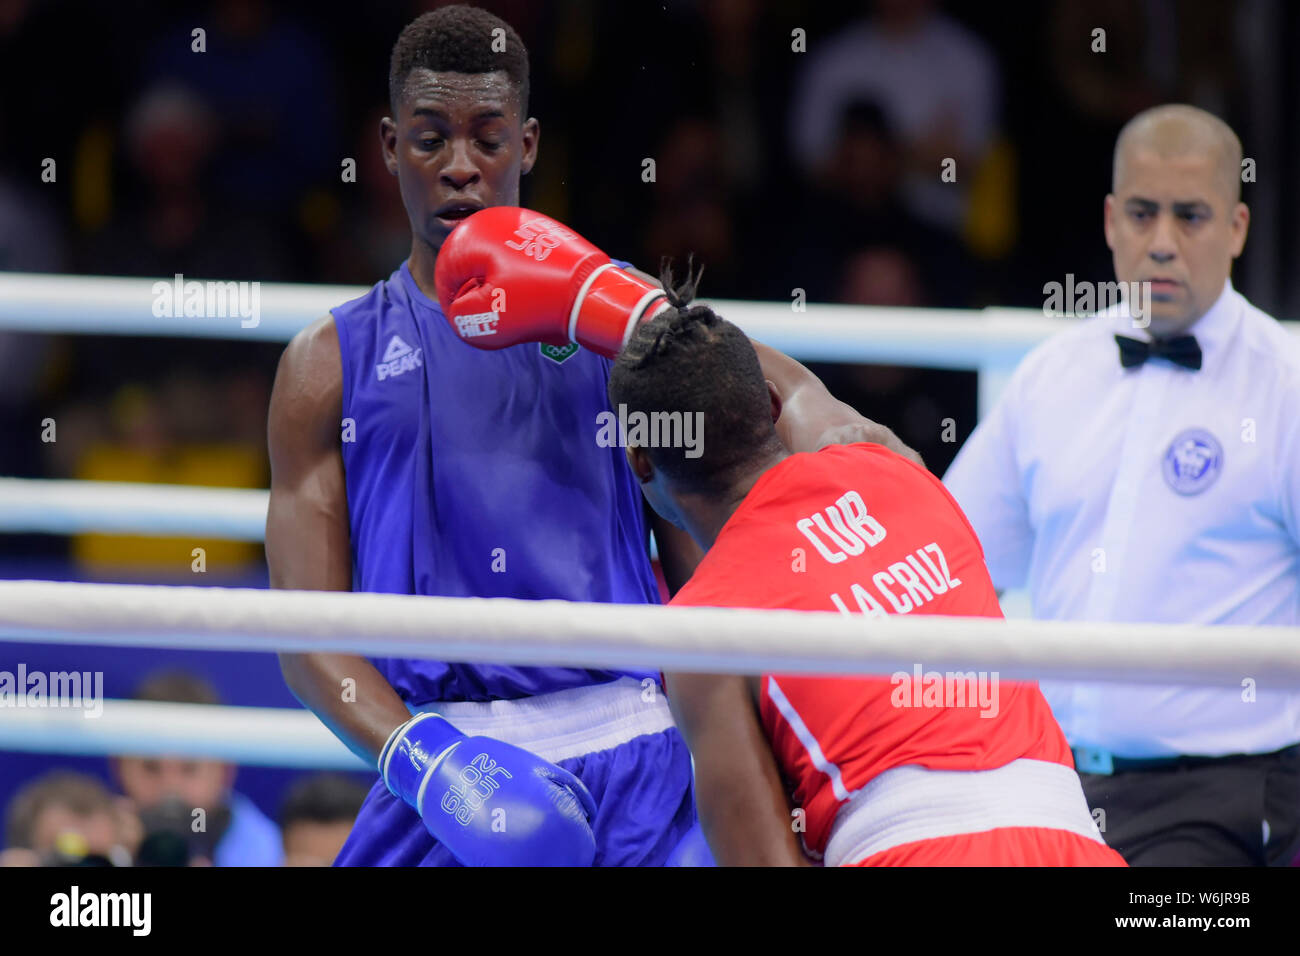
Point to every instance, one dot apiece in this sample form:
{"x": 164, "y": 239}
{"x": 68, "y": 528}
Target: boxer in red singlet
{"x": 915, "y": 768}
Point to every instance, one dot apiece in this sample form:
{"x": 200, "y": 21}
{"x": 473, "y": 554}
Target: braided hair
{"x": 679, "y": 322}
{"x": 690, "y": 360}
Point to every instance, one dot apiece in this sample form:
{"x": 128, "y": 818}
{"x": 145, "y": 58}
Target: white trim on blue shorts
{"x": 566, "y": 723}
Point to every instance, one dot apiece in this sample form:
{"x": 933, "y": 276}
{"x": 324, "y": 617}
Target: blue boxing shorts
{"x": 617, "y": 738}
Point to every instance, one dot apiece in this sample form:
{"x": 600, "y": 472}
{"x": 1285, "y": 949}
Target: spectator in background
{"x": 183, "y": 427}
{"x": 937, "y": 84}
{"x": 871, "y": 250}
{"x": 1152, "y": 52}
{"x": 268, "y": 83}
{"x": 168, "y": 791}
{"x": 697, "y": 206}
{"x": 880, "y": 275}
{"x": 736, "y": 86}
{"x": 317, "y": 817}
{"x": 31, "y": 238}
{"x": 368, "y": 229}
{"x": 911, "y": 398}
{"x": 884, "y": 276}
{"x": 30, "y": 241}
{"x": 68, "y": 819}
{"x": 854, "y": 202}
{"x": 167, "y": 219}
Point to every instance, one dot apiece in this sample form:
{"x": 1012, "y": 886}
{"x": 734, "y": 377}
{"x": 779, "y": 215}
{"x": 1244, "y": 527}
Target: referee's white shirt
{"x": 1155, "y": 493}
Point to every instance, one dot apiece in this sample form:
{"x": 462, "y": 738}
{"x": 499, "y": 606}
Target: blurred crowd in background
{"x": 784, "y": 161}
{"x": 174, "y": 810}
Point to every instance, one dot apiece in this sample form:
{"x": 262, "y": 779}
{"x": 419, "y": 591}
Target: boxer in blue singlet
{"x": 405, "y": 462}
{"x": 476, "y": 474}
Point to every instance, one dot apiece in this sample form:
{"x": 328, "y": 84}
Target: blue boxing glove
{"x": 488, "y": 802}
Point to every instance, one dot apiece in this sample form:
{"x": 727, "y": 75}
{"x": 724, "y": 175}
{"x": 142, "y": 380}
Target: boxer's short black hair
{"x": 458, "y": 39}
{"x": 689, "y": 359}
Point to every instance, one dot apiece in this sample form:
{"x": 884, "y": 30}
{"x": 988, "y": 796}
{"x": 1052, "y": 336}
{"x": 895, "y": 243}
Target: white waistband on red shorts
{"x": 910, "y": 803}
{"x": 564, "y": 723}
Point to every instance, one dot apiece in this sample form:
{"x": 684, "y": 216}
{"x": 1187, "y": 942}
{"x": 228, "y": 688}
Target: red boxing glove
{"x": 507, "y": 275}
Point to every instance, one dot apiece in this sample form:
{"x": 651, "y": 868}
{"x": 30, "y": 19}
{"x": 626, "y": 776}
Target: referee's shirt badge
{"x": 1193, "y": 461}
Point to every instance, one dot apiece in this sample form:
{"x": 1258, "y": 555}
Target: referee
{"x": 1145, "y": 466}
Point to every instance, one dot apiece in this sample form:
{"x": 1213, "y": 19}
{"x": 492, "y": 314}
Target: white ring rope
{"x": 264, "y": 736}
{"x": 935, "y": 338}
{"x": 722, "y": 640}
{"x": 35, "y": 505}
{"x": 46, "y": 506}
{"x": 96, "y": 305}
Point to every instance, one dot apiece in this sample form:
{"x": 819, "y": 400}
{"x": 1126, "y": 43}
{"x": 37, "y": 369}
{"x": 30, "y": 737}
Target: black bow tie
{"x": 1182, "y": 350}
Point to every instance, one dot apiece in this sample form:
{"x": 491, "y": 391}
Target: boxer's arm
{"x": 738, "y": 790}
{"x": 811, "y": 417}
{"x": 307, "y": 535}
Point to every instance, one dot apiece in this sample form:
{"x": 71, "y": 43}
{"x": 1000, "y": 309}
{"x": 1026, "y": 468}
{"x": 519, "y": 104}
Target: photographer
{"x": 190, "y": 811}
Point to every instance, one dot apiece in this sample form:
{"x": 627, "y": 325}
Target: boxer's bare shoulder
{"x": 309, "y": 379}
{"x": 307, "y": 514}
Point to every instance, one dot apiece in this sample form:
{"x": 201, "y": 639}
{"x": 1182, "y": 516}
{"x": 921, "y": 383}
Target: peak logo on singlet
{"x": 398, "y": 358}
